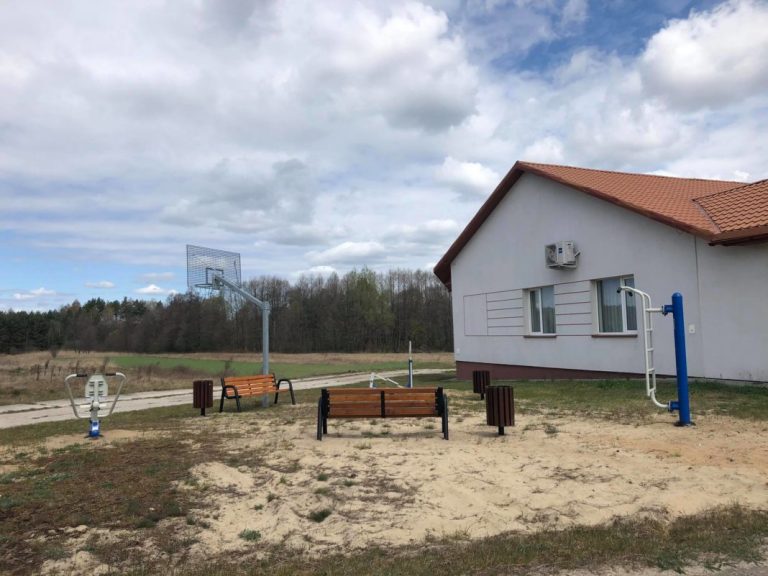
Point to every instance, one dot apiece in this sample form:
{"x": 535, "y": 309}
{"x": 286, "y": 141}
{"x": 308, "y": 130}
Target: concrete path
{"x": 53, "y": 410}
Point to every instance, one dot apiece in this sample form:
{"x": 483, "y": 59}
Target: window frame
{"x": 597, "y": 315}
{"x": 529, "y": 310}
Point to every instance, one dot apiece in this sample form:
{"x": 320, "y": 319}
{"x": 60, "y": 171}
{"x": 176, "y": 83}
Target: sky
{"x": 313, "y": 137}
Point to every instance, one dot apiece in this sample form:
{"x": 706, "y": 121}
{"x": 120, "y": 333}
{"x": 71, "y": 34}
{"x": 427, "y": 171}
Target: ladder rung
{"x": 649, "y": 349}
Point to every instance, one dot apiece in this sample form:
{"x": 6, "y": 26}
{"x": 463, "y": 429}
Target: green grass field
{"x": 281, "y": 369}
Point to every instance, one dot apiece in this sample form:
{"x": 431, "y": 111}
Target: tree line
{"x": 359, "y": 311}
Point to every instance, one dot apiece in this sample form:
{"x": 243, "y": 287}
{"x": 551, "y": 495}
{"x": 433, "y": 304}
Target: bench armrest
{"x": 224, "y": 391}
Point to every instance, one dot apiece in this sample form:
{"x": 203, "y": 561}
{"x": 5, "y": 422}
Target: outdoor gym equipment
{"x": 96, "y": 391}
{"x": 682, "y": 404}
{"x": 374, "y": 376}
{"x": 219, "y": 270}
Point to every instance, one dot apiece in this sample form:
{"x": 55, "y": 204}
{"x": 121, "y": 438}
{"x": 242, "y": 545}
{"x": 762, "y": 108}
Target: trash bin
{"x": 481, "y": 379}
{"x": 202, "y": 395}
{"x": 500, "y": 406}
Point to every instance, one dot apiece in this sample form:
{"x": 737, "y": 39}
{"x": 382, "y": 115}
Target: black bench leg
{"x": 445, "y": 417}
{"x": 237, "y": 399}
{"x": 320, "y": 419}
{"x": 290, "y": 389}
{"x": 221, "y": 405}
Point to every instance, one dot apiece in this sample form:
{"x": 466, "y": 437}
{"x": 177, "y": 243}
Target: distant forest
{"x": 362, "y": 311}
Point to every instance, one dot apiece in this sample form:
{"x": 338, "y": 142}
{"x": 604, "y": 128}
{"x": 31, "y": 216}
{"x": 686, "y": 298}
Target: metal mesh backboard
{"x": 203, "y": 264}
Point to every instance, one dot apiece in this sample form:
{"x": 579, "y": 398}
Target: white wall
{"x": 506, "y": 255}
{"x": 733, "y": 283}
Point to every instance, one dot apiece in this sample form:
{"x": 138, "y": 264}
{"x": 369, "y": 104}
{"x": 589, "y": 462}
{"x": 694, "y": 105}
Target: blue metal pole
{"x": 683, "y": 404}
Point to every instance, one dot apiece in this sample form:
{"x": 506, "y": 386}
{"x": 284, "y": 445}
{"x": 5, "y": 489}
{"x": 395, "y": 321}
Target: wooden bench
{"x": 245, "y": 386}
{"x": 381, "y": 403}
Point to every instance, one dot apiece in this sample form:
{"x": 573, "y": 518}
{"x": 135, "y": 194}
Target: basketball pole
{"x": 265, "y": 310}
{"x": 410, "y": 366}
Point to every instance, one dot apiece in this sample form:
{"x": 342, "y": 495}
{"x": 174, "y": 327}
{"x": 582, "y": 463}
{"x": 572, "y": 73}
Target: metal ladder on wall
{"x": 650, "y": 369}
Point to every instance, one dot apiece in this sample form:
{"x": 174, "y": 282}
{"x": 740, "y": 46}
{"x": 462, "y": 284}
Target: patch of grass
{"x": 623, "y": 400}
{"x": 159, "y": 419}
{"x": 215, "y": 367}
{"x": 54, "y": 553}
{"x": 323, "y": 491}
{"x": 719, "y": 537}
{"x": 322, "y": 477}
{"x": 250, "y": 535}
{"x": 8, "y": 502}
{"x": 271, "y": 497}
{"x": 319, "y": 515}
{"x": 50, "y": 493}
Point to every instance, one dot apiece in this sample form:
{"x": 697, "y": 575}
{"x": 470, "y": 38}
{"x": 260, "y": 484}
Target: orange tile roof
{"x": 660, "y": 197}
{"x": 724, "y": 212}
{"x": 739, "y": 212}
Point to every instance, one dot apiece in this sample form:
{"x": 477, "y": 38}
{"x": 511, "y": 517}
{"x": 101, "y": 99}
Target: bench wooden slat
{"x": 358, "y": 410}
{"x": 410, "y": 410}
{"x": 256, "y": 378}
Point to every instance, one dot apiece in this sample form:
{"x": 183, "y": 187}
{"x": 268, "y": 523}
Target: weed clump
{"x": 319, "y": 515}
{"x": 250, "y": 535}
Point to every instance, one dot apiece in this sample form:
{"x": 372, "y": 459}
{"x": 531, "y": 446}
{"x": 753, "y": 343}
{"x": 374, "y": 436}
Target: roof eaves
{"x": 743, "y": 236}
{"x": 443, "y": 268}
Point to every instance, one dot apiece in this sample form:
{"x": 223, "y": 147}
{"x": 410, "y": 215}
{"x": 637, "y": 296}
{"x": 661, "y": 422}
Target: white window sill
{"x": 539, "y": 335}
{"x": 614, "y": 335}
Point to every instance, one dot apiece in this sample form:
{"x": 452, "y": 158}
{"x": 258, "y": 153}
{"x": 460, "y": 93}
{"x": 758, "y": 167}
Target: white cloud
{"x": 336, "y": 134}
{"x": 547, "y": 150}
{"x": 574, "y": 12}
{"x": 37, "y": 293}
{"x": 711, "y": 58}
{"x": 467, "y": 178}
{"x": 106, "y": 284}
{"x": 430, "y": 232}
{"x": 154, "y": 290}
{"x": 315, "y": 271}
{"x": 351, "y": 253}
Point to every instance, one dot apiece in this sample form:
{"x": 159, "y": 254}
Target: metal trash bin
{"x": 481, "y": 379}
{"x": 202, "y": 395}
{"x": 500, "y": 406}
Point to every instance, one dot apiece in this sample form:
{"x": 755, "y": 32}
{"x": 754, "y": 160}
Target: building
{"x": 520, "y": 315}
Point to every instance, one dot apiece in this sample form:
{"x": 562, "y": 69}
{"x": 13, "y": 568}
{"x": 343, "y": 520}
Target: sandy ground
{"x": 411, "y": 484}
{"x": 397, "y": 481}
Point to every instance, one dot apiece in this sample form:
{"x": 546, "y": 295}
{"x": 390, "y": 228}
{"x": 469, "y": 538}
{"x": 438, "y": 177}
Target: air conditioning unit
{"x": 561, "y": 254}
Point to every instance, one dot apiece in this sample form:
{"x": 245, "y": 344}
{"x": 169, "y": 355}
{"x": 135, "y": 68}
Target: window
{"x": 541, "y": 310}
{"x": 616, "y": 311}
